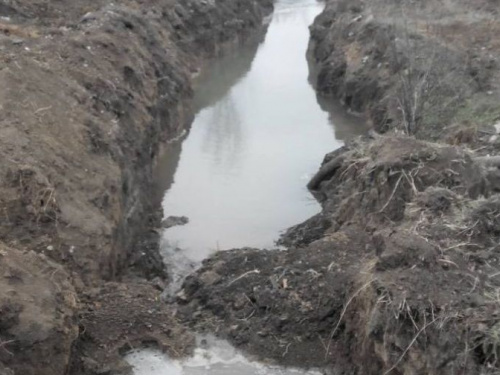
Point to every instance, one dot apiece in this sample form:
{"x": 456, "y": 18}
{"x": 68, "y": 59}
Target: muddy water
{"x": 211, "y": 357}
{"x": 258, "y": 136}
{"x": 240, "y": 173}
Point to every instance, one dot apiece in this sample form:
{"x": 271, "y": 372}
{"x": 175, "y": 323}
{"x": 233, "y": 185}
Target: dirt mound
{"x": 120, "y": 317}
{"x": 402, "y": 281}
{"x": 37, "y": 314}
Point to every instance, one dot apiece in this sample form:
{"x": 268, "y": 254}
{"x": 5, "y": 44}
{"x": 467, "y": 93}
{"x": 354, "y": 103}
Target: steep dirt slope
{"x": 88, "y": 91}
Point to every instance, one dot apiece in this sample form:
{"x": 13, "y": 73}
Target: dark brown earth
{"x": 88, "y": 92}
{"x": 399, "y": 273}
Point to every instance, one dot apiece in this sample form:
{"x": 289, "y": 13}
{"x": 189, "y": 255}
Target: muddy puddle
{"x": 239, "y": 175}
{"x": 211, "y": 357}
{"x": 259, "y": 134}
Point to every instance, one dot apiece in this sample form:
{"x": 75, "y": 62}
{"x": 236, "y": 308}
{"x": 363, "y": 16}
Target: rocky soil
{"x": 88, "y": 91}
{"x": 399, "y": 273}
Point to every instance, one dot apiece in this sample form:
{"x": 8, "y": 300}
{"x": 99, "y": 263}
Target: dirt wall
{"x": 425, "y": 69}
{"x": 88, "y": 92}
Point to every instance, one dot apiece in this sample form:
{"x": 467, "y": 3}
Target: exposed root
{"x": 410, "y": 345}
{"x": 334, "y": 330}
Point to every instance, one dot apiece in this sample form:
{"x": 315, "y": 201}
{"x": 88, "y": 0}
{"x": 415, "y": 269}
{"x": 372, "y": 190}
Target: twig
{"x": 330, "y": 338}
{"x": 43, "y": 109}
{"x": 3, "y": 345}
{"x": 409, "y": 346}
{"x": 242, "y": 276}
{"x": 392, "y": 195}
{"x": 411, "y": 182}
{"x": 248, "y": 317}
{"x": 286, "y": 350}
{"x": 447, "y": 261}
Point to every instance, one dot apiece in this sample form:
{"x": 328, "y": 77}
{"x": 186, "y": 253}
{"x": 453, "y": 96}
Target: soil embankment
{"x": 428, "y": 68}
{"x": 399, "y": 274}
{"x": 88, "y": 91}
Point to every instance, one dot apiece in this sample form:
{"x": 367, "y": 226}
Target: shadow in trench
{"x": 346, "y": 125}
{"x": 211, "y": 86}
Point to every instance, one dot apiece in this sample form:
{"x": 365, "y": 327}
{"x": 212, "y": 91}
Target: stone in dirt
{"x": 173, "y": 221}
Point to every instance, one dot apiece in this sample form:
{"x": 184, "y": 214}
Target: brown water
{"x": 257, "y": 138}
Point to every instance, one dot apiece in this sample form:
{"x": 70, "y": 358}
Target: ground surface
{"x": 88, "y": 91}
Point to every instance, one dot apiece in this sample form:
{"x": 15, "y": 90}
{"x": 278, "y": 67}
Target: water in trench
{"x": 213, "y": 357}
{"x": 240, "y": 174}
{"x": 258, "y": 136}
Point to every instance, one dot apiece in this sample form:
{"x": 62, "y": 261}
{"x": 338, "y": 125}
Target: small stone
{"x": 181, "y": 295}
{"x": 173, "y": 221}
{"x": 50, "y": 248}
{"x": 88, "y": 17}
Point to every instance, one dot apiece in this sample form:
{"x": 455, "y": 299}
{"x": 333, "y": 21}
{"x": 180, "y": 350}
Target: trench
{"x": 239, "y": 174}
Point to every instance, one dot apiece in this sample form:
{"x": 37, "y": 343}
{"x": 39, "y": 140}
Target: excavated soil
{"x": 88, "y": 92}
{"x": 433, "y": 63}
{"x": 402, "y": 280}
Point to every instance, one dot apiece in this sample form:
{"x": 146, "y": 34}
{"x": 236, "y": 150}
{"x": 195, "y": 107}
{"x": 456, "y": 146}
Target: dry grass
{"x": 19, "y": 31}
